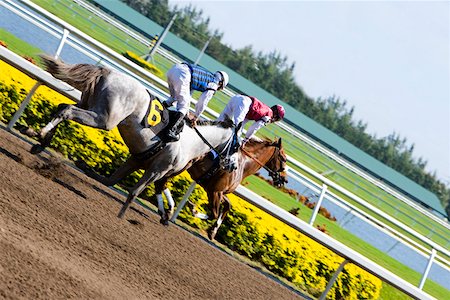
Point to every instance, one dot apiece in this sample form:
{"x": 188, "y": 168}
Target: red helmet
{"x": 279, "y": 110}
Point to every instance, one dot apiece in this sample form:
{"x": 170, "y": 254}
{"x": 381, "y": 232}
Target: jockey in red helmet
{"x": 243, "y": 108}
{"x": 278, "y": 112}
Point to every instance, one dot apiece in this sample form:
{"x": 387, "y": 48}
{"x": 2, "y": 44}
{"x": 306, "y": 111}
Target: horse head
{"x": 277, "y": 164}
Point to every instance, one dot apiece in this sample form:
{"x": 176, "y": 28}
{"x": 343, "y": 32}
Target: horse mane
{"x": 227, "y": 123}
{"x": 256, "y": 140}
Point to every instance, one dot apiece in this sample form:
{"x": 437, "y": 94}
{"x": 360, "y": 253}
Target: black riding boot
{"x": 173, "y": 134}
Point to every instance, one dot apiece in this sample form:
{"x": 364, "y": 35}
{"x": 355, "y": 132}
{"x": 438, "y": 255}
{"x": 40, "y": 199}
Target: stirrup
{"x": 172, "y": 137}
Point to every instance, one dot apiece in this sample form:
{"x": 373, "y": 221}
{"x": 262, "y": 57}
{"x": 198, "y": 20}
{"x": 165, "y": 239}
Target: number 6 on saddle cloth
{"x": 159, "y": 120}
{"x": 157, "y": 116}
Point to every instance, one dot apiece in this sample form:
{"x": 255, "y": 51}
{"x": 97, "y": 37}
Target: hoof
{"x": 212, "y": 233}
{"x": 36, "y": 149}
{"x": 164, "y": 218}
{"x": 29, "y": 132}
{"x": 164, "y": 221}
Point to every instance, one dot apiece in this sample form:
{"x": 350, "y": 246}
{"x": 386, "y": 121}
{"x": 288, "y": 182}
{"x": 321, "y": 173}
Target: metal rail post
{"x": 427, "y": 269}
{"x": 332, "y": 280}
{"x": 318, "y": 204}
{"x": 202, "y": 51}
{"x": 27, "y": 100}
{"x": 183, "y": 201}
{"x": 161, "y": 38}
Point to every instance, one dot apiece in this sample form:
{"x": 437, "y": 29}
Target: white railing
{"x": 283, "y": 125}
{"x": 113, "y": 56}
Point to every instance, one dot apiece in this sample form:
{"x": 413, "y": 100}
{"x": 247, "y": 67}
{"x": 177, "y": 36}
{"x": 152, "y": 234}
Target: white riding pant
{"x": 179, "y": 80}
{"x": 236, "y": 109}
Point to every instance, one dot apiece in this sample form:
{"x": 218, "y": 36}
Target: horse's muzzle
{"x": 279, "y": 180}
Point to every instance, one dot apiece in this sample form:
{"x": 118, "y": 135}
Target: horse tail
{"x": 83, "y": 77}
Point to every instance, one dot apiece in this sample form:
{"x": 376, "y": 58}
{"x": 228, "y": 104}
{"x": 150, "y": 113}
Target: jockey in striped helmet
{"x": 183, "y": 79}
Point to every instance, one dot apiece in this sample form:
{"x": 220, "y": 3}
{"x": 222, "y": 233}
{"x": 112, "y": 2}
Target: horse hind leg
{"x": 224, "y": 209}
{"x": 45, "y": 135}
{"x": 70, "y": 112}
{"x": 124, "y": 170}
{"x": 160, "y": 187}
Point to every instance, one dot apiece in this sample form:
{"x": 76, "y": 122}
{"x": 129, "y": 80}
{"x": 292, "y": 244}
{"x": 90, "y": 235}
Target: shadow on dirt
{"x": 14, "y": 157}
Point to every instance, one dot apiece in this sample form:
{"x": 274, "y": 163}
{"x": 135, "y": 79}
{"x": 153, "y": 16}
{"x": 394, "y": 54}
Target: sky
{"x": 388, "y": 59}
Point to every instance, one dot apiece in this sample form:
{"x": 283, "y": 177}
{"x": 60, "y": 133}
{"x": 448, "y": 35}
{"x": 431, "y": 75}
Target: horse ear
{"x": 279, "y": 143}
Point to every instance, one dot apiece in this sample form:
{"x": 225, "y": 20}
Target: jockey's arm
{"x": 255, "y": 127}
{"x": 203, "y": 101}
{"x": 242, "y": 127}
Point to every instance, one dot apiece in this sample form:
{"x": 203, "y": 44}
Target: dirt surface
{"x": 60, "y": 239}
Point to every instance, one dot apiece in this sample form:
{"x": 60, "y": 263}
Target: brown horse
{"x": 218, "y": 183}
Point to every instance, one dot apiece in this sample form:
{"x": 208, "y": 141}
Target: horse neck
{"x": 216, "y": 136}
{"x": 258, "y": 155}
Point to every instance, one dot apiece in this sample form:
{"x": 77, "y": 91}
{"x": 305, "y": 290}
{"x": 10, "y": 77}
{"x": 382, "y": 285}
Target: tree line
{"x": 274, "y": 73}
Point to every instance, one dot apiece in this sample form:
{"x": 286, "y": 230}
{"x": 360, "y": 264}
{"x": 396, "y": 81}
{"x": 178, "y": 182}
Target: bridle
{"x": 278, "y": 180}
{"x": 220, "y": 153}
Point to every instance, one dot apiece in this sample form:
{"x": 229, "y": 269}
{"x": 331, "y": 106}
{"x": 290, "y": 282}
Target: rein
{"x": 206, "y": 141}
{"x": 260, "y": 163}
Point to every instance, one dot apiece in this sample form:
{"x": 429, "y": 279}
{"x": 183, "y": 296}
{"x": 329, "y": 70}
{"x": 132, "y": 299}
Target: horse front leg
{"x": 222, "y": 206}
{"x": 170, "y": 203}
{"x": 160, "y": 187}
{"x": 146, "y": 179}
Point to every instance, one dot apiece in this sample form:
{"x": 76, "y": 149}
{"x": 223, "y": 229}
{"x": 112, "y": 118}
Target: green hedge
{"x": 143, "y": 63}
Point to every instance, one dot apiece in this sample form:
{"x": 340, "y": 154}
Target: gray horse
{"x": 110, "y": 98}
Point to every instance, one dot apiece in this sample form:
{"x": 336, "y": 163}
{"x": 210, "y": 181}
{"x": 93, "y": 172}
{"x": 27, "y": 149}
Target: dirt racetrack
{"x": 60, "y": 239}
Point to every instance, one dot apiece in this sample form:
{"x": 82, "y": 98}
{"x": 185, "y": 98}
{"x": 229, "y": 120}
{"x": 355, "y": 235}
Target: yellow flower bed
{"x": 285, "y": 250}
{"x": 143, "y": 63}
{"x": 312, "y": 251}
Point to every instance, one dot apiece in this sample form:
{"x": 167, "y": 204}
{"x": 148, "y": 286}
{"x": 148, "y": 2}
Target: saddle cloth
{"x": 157, "y": 117}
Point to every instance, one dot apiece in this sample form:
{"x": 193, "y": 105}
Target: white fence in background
{"x": 283, "y": 125}
{"x": 86, "y": 45}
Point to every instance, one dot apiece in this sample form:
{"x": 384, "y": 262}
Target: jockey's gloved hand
{"x": 243, "y": 142}
{"x": 192, "y": 120}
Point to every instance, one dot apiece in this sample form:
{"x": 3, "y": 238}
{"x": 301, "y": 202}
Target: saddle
{"x": 159, "y": 118}
{"x": 227, "y": 160}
